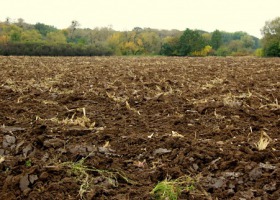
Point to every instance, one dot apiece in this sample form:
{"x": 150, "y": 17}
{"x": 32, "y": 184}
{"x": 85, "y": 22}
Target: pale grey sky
{"x": 208, "y": 15}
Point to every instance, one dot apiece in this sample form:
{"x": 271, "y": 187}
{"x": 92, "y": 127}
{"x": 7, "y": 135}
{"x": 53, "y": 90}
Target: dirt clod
{"x": 8, "y": 141}
{"x": 56, "y": 143}
{"x": 24, "y": 182}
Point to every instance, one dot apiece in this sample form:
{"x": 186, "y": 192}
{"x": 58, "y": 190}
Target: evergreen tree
{"x": 190, "y": 41}
{"x": 216, "y": 39}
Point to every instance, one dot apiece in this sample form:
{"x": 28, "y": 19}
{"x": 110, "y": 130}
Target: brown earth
{"x": 114, "y": 127}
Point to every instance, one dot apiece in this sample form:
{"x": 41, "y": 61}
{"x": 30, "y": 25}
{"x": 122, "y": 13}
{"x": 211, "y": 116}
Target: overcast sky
{"x": 208, "y": 15}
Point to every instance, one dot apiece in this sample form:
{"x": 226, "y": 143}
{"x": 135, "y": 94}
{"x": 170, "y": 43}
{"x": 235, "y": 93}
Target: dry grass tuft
{"x": 236, "y": 100}
{"x": 2, "y": 159}
{"x": 83, "y": 121}
{"x": 176, "y": 134}
{"x": 213, "y": 83}
{"x": 272, "y": 106}
{"x": 115, "y": 98}
{"x": 131, "y": 109}
{"x": 263, "y": 141}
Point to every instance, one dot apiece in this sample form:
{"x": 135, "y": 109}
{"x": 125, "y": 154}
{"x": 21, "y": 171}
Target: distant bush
{"x": 222, "y": 51}
{"x": 259, "y": 52}
{"x": 240, "y": 53}
{"x": 204, "y": 52}
{"x": 272, "y": 49}
{"x": 43, "y": 49}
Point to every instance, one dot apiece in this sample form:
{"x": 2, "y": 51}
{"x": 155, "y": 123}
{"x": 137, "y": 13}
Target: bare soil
{"x": 113, "y": 127}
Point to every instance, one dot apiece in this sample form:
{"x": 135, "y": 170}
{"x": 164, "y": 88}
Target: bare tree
{"x": 74, "y": 25}
{"x": 8, "y": 20}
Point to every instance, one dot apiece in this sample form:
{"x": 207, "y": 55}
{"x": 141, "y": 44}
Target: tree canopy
{"x": 271, "y": 37}
{"x": 21, "y": 38}
{"x": 190, "y": 41}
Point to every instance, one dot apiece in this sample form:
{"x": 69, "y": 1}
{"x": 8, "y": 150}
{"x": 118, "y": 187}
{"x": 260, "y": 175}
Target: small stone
{"x": 232, "y": 175}
{"x": 103, "y": 150}
{"x": 220, "y": 142}
{"x": 45, "y": 157}
{"x": 8, "y": 129}
{"x": 267, "y": 166}
{"x": 219, "y": 183}
{"x": 32, "y": 178}
{"x": 230, "y": 191}
{"x": 8, "y": 141}
{"x": 256, "y": 173}
{"x": 18, "y": 146}
{"x": 44, "y": 176}
{"x": 78, "y": 149}
{"x": 27, "y": 150}
{"x": 54, "y": 143}
{"x": 247, "y": 194}
{"x": 24, "y": 182}
{"x": 161, "y": 151}
{"x": 195, "y": 167}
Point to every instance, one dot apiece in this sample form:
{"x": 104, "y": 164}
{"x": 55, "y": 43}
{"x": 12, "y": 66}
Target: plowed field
{"x": 115, "y": 127}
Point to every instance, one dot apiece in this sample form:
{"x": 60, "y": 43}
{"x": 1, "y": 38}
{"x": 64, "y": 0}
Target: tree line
{"x": 21, "y": 38}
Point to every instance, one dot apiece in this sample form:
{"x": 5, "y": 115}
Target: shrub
{"x": 259, "y": 52}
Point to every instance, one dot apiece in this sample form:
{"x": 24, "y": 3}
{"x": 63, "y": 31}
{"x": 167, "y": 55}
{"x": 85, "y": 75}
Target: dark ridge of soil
{"x": 113, "y": 127}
